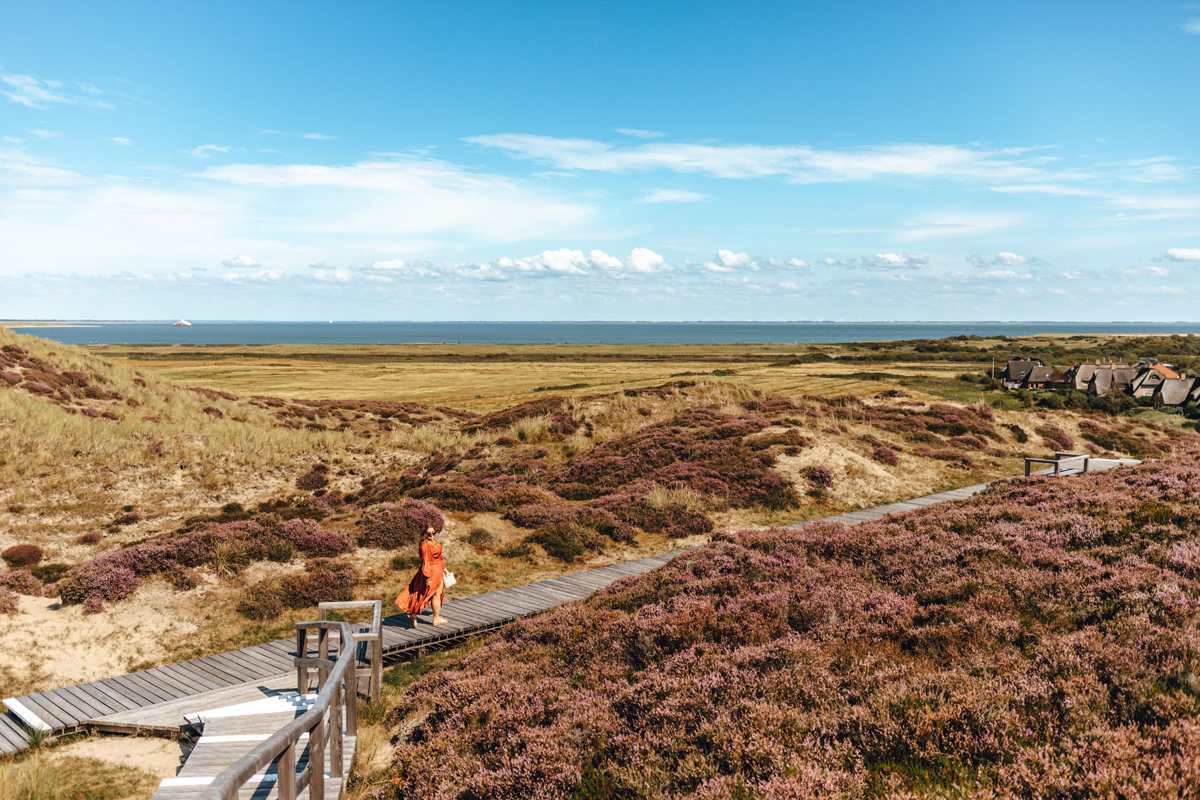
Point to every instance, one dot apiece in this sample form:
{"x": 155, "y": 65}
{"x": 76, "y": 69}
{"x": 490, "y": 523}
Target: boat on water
{"x": 183, "y": 323}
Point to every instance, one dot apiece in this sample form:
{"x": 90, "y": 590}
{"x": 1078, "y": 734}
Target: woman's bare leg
{"x": 412, "y": 620}
{"x": 437, "y": 608}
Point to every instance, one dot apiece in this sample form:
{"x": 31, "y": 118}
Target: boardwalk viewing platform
{"x": 231, "y": 703}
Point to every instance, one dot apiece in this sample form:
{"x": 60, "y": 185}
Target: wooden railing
{"x": 371, "y": 639}
{"x": 1060, "y": 461}
{"x": 337, "y": 692}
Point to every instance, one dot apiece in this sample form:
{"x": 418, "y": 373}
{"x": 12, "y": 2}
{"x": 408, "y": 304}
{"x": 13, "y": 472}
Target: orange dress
{"x": 426, "y": 583}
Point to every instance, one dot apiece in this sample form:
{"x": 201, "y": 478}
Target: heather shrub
{"x": 9, "y": 602}
{"x": 280, "y": 551}
{"x": 519, "y": 550}
{"x": 819, "y": 476}
{"x": 182, "y": 578}
{"x": 1056, "y": 436}
{"x": 22, "y": 555}
{"x": 22, "y": 582}
{"x": 314, "y": 479}
{"x": 395, "y": 525}
{"x": 47, "y": 573}
{"x": 1034, "y": 641}
{"x": 91, "y": 537}
{"x": 322, "y": 581}
{"x": 93, "y": 604}
{"x": 459, "y": 496}
{"x": 1018, "y": 433}
{"x": 564, "y": 540}
{"x": 313, "y": 540}
{"x": 886, "y": 456}
{"x": 480, "y": 538}
{"x": 103, "y": 578}
{"x": 261, "y": 602}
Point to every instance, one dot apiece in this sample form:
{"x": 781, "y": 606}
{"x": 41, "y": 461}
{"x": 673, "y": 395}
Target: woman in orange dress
{"x": 426, "y": 586}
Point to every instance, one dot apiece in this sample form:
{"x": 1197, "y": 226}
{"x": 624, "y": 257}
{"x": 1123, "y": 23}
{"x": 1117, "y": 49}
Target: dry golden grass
{"x": 48, "y": 776}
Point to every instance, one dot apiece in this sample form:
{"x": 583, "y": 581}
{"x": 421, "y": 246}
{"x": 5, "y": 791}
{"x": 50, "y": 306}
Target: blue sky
{"x": 658, "y": 161}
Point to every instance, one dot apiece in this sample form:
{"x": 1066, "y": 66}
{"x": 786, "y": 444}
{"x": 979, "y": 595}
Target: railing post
{"x": 322, "y": 652}
{"x": 316, "y": 760}
{"x": 301, "y": 652}
{"x": 335, "y": 733}
{"x": 286, "y": 780}
{"x": 377, "y": 666}
{"x": 351, "y": 700}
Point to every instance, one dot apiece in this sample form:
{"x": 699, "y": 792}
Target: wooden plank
{"x": 145, "y": 687}
{"x": 178, "y": 681}
{"x": 89, "y": 706}
{"x": 115, "y": 691}
{"x": 238, "y": 665}
{"x": 13, "y": 732}
{"x": 199, "y": 670}
{"x": 217, "y": 669}
{"x": 50, "y": 711}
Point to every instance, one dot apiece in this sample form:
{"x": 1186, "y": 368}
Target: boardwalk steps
{"x": 158, "y": 700}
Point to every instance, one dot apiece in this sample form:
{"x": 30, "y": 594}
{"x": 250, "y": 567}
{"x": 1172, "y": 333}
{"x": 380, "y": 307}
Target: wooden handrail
{"x": 338, "y": 689}
{"x": 372, "y": 638}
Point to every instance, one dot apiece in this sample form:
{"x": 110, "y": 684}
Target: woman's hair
{"x": 427, "y": 534}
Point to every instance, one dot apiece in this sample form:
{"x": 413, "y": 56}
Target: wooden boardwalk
{"x": 231, "y": 732}
{"x": 159, "y": 700}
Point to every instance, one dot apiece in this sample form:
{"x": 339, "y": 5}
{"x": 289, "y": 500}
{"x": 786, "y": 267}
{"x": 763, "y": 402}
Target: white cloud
{"x": 639, "y": 133}
{"x": 837, "y": 262}
{"x": 605, "y": 261}
{"x": 205, "y": 150}
{"x": 798, "y": 163}
{"x": 729, "y": 258}
{"x": 47, "y": 134}
{"x": 883, "y": 261}
{"x": 318, "y": 136}
{"x": 20, "y": 168}
{"x": 1158, "y": 271}
{"x": 240, "y": 261}
{"x": 789, "y": 285}
{"x": 34, "y": 92}
{"x": 121, "y": 140}
{"x": 1005, "y": 275}
{"x": 1011, "y": 259}
{"x": 1005, "y": 259}
{"x": 1192, "y": 26}
{"x": 645, "y": 261}
{"x": 1180, "y": 254}
{"x": 11, "y": 139}
{"x": 261, "y": 276}
{"x": 331, "y": 275}
{"x": 675, "y": 196}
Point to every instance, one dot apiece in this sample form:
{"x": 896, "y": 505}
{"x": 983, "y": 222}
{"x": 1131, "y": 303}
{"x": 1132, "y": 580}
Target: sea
{"x": 502, "y": 333}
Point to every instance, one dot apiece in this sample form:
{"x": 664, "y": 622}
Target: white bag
{"x": 448, "y": 578}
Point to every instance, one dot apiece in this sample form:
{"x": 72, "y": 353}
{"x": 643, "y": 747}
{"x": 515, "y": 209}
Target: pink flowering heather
{"x": 9, "y": 602}
{"x": 1038, "y": 640}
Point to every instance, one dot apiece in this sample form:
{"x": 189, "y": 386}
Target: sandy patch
{"x": 48, "y": 645}
{"x": 162, "y": 758}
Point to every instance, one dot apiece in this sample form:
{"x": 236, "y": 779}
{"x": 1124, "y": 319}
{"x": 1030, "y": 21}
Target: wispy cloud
{"x": 240, "y": 261}
{"x": 121, "y": 140}
{"x": 796, "y": 163}
{"x": 33, "y": 92}
{"x": 1192, "y": 26}
{"x": 675, "y": 196}
{"x": 639, "y": 133}
{"x": 206, "y": 150}
{"x": 1004, "y": 259}
{"x": 318, "y": 136}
